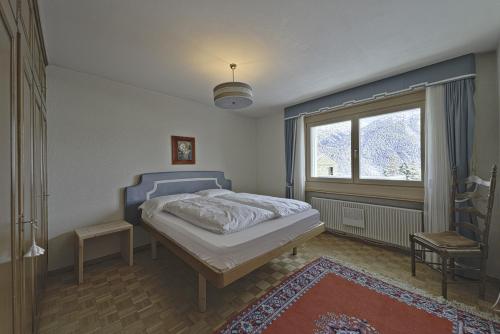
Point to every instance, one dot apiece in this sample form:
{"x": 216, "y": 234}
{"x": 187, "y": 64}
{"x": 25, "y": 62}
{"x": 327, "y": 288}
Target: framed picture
{"x": 183, "y": 150}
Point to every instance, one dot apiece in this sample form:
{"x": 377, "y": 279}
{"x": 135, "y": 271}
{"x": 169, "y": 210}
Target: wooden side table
{"x": 89, "y": 232}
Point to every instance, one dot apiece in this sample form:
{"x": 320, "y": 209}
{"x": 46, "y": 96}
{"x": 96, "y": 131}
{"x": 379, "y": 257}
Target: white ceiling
{"x": 288, "y": 50}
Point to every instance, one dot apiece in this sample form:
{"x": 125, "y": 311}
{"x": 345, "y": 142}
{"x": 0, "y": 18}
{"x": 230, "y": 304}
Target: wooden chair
{"x": 450, "y": 245}
{"x": 496, "y": 303}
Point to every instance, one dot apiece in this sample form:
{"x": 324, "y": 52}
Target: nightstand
{"x": 81, "y": 234}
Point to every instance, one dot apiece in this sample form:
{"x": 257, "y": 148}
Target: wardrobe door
{"x": 26, "y": 185}
{"x": 25, "y": 19}
{"x": 8, "y": 232}
{"x": 38, "y": 198}
{"x": 44, "y": 218}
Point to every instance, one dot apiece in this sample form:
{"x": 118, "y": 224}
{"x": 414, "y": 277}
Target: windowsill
{"x": 367, "y": 182}
{"x": 392, "y": 192}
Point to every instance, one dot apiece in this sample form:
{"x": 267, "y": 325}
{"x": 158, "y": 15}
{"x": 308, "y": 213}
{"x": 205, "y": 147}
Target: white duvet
{"x": 217, "y": 214}
{"x": 281, "y": 207}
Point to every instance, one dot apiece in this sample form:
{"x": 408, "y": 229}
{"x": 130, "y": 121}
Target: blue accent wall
{"x": 452, "y": 68}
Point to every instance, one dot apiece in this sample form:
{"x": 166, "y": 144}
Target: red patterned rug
{"x": 325, "y": 297}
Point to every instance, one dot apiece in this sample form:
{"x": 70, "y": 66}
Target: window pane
{"x": 331, "y": 150}
{"x": 389, "y": 146}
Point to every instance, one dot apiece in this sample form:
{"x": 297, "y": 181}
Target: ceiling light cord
{"x": 232, "y": 67}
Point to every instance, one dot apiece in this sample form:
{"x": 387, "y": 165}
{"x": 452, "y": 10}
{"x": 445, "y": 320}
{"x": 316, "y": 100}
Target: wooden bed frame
{"x": 167, "y": 183}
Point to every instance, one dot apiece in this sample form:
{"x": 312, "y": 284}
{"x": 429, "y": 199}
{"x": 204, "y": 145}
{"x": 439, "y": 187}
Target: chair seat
{"x": 448, "y": 239}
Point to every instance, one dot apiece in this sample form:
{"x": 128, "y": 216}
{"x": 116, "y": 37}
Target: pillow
{"x": 214, "y": 192}
{"x": 152, "y": 205}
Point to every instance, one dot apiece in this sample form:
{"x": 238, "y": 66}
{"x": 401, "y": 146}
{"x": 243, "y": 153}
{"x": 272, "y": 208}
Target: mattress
{"x": 226, "y": 251}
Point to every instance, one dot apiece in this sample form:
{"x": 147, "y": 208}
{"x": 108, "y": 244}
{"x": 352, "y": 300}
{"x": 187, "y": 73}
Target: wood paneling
{"x": 23, "y": 165}
{"x": 24, "y": 19}
{"x": 8, "y": 254}
{"x": 26, "y": 201}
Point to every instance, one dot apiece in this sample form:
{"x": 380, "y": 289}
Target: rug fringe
{"x": 405, "y": 286}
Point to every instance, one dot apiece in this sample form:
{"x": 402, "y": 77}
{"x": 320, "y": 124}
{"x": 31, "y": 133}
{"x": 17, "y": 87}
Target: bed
{"x": 217, "y": 258}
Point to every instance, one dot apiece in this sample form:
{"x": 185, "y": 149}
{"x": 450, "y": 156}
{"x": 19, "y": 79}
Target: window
{"x": 372, "y": 149}
{"x": 331, "y": 147}
{"x": 389, "y": 146}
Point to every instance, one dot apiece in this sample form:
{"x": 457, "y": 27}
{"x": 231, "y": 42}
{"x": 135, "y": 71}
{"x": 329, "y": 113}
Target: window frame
{"x": 354, "y": 113}
{"x": 308, "y": 152}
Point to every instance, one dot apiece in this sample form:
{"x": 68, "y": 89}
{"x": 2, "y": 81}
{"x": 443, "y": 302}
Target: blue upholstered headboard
{"x": 152, "y": 185}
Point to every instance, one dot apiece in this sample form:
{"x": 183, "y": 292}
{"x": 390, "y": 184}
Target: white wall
{"x": 102, "y": 134}
{"x": 487, "y": 139}
{"x": 271, "y": 154}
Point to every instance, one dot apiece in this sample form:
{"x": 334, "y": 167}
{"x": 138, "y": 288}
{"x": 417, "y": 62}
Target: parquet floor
{"x": 159, "y": 296}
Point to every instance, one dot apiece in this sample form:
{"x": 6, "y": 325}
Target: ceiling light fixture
{"x": 233, "y": 95}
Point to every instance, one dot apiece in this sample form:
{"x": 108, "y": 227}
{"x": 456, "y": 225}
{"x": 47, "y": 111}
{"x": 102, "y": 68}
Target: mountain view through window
{"x": 389, "y": 146}
{"x": 331, "y": 145}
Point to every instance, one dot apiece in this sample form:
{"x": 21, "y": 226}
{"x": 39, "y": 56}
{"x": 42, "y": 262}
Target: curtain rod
{"x": 382, "y": 95}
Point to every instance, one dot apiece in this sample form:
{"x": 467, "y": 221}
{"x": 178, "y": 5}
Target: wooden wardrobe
{"x": 23, "y": 165}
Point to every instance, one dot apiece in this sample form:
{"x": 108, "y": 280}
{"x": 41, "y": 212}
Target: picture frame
{"x": 183, "y": 150}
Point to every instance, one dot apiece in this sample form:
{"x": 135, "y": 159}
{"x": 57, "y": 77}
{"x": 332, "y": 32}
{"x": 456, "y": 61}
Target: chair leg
{"x": 496, "y": 302}
{"x": 412, "y": 254}
{"x": 482, "y": 284}
{"x": 452, "y": 268}
{"x": 444, "y": 277}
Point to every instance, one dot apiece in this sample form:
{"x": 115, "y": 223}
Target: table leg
{"x": 127, "y": 246}
{"x": 75, "y": 260}
{"x": 80, "y": 260}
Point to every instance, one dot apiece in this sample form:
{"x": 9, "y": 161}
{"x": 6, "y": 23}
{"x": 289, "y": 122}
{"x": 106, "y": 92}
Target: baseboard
{"x": 368, "y": 241}
{"x": 96, "y": 260}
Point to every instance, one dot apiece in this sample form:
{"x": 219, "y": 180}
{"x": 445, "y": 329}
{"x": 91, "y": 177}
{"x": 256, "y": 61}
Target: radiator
{"x": 389, "y": 225}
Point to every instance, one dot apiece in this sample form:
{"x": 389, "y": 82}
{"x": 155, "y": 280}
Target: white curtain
{"x": 437, "y": 174}
{"x": 299, "y": 169}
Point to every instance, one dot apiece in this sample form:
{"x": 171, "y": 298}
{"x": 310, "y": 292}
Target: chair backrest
{"x": 465, "y": 202}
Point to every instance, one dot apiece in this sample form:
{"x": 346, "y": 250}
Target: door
{"x": 38, "y": 197}
{"x": 25, "y": 187}
{"x": 8, "y": 202}
{"x": 44, "y": 227}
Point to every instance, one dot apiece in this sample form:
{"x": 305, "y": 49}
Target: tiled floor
{"x": 159, "y": 296}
